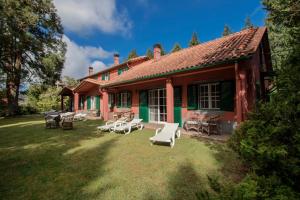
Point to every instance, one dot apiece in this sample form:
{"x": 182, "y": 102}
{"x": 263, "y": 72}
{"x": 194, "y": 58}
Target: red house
{"x": 225, "y": 75}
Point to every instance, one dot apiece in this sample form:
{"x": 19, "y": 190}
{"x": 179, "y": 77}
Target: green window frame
{"x": 122, "y": 70}
{"x": 211, "y": 96}
{"x": 105, "y": 76}
{"x": 124, "y": 100}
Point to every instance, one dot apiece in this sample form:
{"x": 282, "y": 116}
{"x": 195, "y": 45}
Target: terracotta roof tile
{"x": 230, "y": 47}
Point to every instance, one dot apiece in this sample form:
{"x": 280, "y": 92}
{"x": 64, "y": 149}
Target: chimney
{"x": 91, "y": 70}
{"x": 116, "y": 59}
{"x": 156, "y": 51}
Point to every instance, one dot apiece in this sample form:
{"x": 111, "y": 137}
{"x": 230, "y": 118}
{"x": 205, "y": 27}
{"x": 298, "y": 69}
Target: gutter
{"x": 196, "y": 67}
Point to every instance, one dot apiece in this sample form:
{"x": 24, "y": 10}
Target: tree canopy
{"x": 132, "y": 54}
{"x": 194, "y": 40}
{"x": 176, "y": 47}
{"x": 149, "y": 53}
{"x": 226, "y": 30}
{"x": 248, "y": 23}
{"x": 31, "y": 45}
{"x": 269, "y": 141}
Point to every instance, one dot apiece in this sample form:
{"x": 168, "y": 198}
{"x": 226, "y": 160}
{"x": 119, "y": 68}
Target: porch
{"x": 174, "y": 99}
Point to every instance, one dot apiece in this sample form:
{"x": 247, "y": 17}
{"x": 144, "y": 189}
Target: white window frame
{"x": 106, "y": 76}
{"x": 212, "y": 97}
{"x": 110, "y": 99}
{"x": 124, "y": 99}
{"x": 93, "y": 103}
{"x": 156, "y": 101}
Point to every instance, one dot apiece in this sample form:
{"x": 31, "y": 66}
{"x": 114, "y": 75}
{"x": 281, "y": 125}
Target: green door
{"x": 88, "y": 99}
{"x": 177, "y": 105}
{"x": 97, "y": 102}
{"x": 143, "y": 106}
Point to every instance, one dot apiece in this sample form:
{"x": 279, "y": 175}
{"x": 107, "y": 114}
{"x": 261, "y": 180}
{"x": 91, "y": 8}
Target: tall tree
{"x": 31, "y": 45}
{"x": 132, "y": 54}
{"x": 269, "y": 141}
{"x": 176, "y": 47}
{"x": 248, "y": 23}
{"x": 226, "y": 30}
{"x": 149, "y": 53}
{"x": 194, "y": 40}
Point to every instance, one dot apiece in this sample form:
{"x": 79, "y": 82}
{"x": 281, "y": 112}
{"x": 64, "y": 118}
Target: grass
{"x": 39, "y": 163}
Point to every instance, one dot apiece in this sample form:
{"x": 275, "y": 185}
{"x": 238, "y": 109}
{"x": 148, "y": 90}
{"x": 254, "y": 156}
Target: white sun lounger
{"x": 166, "y": 134}
{"x": 109, "y": 125}
{"x": 126, "y": 127}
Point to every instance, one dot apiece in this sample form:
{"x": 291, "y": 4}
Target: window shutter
{"x": 103, "y": 77}
{"x": 97, "y": 102}
{"x": 108, "y": 74}
{"x": 119, "y": 71}
{"x": 118, "y": 96}
{"x": 227, "y": 95}
{"x": 143, "y": 106}
{"x": 129, "y": 99}
{"x": 192, "y": 97}
{"x": 88, "y": 102}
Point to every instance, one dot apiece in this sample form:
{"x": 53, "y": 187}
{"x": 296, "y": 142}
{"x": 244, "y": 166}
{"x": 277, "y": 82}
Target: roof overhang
{"x": 66, "y": 91}
{"x": 86, "y": 85}
{"x": 184, "y": 70}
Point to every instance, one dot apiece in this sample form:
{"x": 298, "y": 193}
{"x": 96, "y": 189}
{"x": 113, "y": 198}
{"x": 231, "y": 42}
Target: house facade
{"x": 226, "y": 75}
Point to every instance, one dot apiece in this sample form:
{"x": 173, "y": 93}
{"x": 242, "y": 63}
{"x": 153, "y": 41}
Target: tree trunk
{"x": 12, "y": 87}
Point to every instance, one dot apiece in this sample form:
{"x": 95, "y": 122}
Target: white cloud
{"x": 78, "y": 58}
{"x": 83, "y": 16}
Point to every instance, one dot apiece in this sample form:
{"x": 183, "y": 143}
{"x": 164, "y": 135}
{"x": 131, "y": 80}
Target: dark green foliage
{"x": 176, "y": 47}
{"x": 31, "y": 45}
{"x": 269, "y": 142}
{"x": 194, "y": 40}
{"x": 226, "y": 30}
{"x": 149, "y": 53}
{"x": 248, "y": 23}
{"x": 132, "y": 54}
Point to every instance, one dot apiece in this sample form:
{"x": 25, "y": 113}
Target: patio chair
{"x": 51, "y": 121}
{"x": 127, "y": 127}
{"x": 80, "y": 116}
{"x": 192, "y": 122}
{"x": 211, "y": 125}
{"x": 111, "y": 124}
{"x": 67, "y": 122}
{"x": 166, "y": 134}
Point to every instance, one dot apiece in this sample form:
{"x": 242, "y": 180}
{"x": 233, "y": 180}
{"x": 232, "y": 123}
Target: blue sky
{"x": 95, "y": 29}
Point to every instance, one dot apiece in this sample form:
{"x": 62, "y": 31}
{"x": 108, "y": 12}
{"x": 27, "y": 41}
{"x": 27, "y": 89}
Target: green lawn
{"x": 39, "y": 163}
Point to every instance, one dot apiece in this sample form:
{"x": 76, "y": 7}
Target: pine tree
{"x": 194, "y": 40}
{"x": 248, "y": 23}
{"x": 149, "y": 53}
{"x": 132, "y": 54}
{"x": 31, "y": 45}
{"x": 226, "y": 30}
{"x": 176, "y": 47}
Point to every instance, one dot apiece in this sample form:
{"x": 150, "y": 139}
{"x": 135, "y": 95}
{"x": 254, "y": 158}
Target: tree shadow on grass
{"x": 185, "y": 183}
{"x": 37, "y": 168}
{"x": 231, "y": 166}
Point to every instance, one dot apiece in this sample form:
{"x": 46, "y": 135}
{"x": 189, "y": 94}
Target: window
{"x": 124, "y": 100}
{"x": 209, "y": 96}
{"x": 111, "y": 101}
{"x": 121, "y": 70}
{"x": 105, "y": 76}
{"x": 93, "y": 103}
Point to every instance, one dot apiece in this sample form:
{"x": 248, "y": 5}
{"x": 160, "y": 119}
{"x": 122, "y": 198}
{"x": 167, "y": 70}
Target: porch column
{"x": 184, "y": 101}
{"x": 76, "y": 101}
{"x": 62, "y": 102}
{"x": 239, "y": 76}
{"x": 170, "y": 101}
{"x": 105, "y": 104}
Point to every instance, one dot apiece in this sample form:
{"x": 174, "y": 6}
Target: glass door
{"x": 157, "y": 105}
